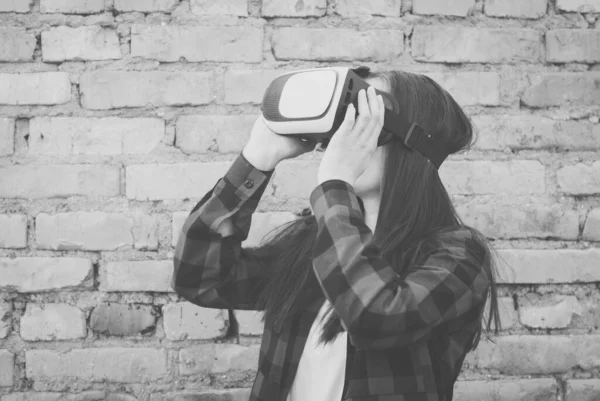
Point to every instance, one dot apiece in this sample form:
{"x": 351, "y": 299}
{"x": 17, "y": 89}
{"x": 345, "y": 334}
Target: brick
{"x": 506, "y": 390}
{"x": 247, "y": 86}
{"x": 104, "y": 90}
{"x": 145, "y": 232}
{"x": 342, "y": 44}
{"x": 525, "y": 219}
{"x": 52, "y": 322}
{"x": 122, "y": 320}
{"x": 48, "y": 181}
{"x": 188, "y": 321}
{"x": 122, "y": 365}
{"x": 14, "y": 231}
{"x": 250, "y": 322}
{"x": 215, "y": 133}
{"x": 512, "y": 177}
{"x": 16, "y": 44}
{"x": 528, "y": 266}
{"x": 16, "y": 6}
{"x": 80, "y": 44}
{"x": 538, "y": 354}
{"x": 573, "y": 45}
{"x": 293, "y": 8}
{"x": 357, "y": 8}
{"x": 534, "y": 132}
{"x": 171, "y": 43}
{"x": 94, "y": 136}
{"x": 145, "y": 5}
{"x": 238, "y": 394}
{"x": 177, "y": 225}
{"x": 92, "y": 231}
{"x": 579, "y": 179}
{"x": 43, "y": 88}
{"x": 209, "y": 7}
{"x": 295, "y": 179}
{"x": 37, "y": 274}
{"x": 173, "y": 181}
{"x": 564, "y": 89}
{"x": 101, "y": 395}
{"x": 509, "y": 317}
{"x": 7, "y": 136}
{"x": 531, "y": 9}
{"x": 472, "y": 45}
{"x": 5, "y": 319}
{"x": 470, "y": 88}
{"x": 580, "y": 6}
{"x": 554, "y": 315}
{"x": 33, "y": 396}
{"x": 217, "y": 358}
{"x": 93, "y": 395}
{"x": 72, "y": 6}
{"x": 583, "y": 390}
{"x": 261, "y": 225}
{"x": 591, "y": 231}
{"x": 7, "y": 364}
{"x": 143, "y": 275}
{"x": 443, "y": 7}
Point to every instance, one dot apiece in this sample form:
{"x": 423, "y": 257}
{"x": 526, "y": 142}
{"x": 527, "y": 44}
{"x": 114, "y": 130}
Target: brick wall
{"x": 116, "y": 116}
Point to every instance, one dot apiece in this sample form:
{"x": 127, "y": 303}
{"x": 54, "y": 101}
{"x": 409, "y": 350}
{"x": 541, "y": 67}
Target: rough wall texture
{"x": 116, "y": 116}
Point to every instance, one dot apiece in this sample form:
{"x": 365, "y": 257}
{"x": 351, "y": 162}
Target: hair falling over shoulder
{"x": 414, "y": 207}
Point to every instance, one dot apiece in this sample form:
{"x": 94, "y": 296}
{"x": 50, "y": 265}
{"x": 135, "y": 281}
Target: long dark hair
{"x": 414, "y": 206}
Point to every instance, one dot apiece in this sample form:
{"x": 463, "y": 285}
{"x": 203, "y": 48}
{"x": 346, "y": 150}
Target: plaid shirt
{"x": 408, "y": 333}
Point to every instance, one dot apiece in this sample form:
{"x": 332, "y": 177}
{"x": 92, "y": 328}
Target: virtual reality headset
{"x": 311, "y": 104}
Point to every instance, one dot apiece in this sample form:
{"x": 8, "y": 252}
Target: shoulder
{"x": 461, "y": 240}
{"x": 465, "y": 251}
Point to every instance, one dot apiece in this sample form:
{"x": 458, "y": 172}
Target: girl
{"x": 377, "y": 293}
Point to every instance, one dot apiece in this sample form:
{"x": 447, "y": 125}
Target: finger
{"x": 377, "y": 123}
{"x": 363, "y": 103}
{"x": 382, "y": 110}
{"x": 372, "y": 98}
{"x": 363, "y": 115}
{"x": 375, "y": 111}
{"x": 381, "y": 119}
{"x": 350, "y": 117}
{"x": 348, "y": 123}
{"x": 374, "y": 118}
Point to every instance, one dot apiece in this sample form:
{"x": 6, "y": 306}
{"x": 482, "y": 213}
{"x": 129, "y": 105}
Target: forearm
{"x": 213, "y": 233}
{"x": 377, "y": 307}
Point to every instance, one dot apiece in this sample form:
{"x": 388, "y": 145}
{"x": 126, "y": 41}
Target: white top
{"x": 321, "y": 369}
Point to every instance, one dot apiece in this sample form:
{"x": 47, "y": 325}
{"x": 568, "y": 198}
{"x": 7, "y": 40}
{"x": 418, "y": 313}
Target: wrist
{"x": 260, "y": 158}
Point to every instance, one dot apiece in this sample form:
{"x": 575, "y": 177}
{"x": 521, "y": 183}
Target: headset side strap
{"x": 413, "y": 137}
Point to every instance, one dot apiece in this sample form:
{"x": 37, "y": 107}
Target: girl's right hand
{"x": 265, "y": 149}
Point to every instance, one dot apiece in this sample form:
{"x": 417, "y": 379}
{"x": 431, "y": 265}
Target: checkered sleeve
{"x": 211, "y": 269}
{"x": 377, "y": 307}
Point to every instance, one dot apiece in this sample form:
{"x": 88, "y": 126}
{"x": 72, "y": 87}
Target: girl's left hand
{"x": 350, "y": 147}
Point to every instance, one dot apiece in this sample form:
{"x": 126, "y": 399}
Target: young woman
{"x": 377, "y": 293}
